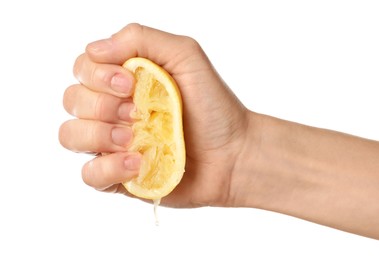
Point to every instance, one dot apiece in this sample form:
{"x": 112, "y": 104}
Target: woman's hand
{"x": 215, "y": 122}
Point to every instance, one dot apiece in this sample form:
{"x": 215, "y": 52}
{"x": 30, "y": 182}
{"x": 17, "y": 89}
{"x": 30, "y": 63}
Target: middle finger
{"x": 81, "y": 135}
{"x": 83, "y": 103}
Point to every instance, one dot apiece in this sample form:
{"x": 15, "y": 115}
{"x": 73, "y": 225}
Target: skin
{"x": 235, "y": 157}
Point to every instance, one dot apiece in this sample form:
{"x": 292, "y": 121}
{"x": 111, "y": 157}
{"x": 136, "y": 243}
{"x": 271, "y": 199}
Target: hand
{"x": 215, "y": 122}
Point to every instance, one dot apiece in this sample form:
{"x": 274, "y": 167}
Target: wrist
{"x": 263, "y": 175}
{"x": 245, "y": 175}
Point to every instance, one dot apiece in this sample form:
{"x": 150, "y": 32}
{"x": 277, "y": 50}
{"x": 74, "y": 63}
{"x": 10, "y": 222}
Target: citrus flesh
{"x": 157, "y": 130}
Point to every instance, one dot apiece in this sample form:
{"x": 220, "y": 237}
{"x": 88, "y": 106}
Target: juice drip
{"x": 156, "y": 204}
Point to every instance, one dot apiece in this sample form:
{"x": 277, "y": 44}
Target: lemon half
{"x": 157, "y": 130}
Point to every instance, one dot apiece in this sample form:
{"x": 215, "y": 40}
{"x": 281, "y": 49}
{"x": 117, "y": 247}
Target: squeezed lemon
{"x": 157, "y": 131}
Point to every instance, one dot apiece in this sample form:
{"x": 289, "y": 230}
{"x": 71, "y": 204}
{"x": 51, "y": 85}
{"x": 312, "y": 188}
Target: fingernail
{"x": 121, "y": 84}
{"x": 99, "y": 46}
{"x": 125, "y": 110}
{"x": 121, "y": 136}
{"x": 133, "y": 162}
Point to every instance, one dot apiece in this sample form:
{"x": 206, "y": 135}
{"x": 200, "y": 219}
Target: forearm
{"x": 315, "y": 174}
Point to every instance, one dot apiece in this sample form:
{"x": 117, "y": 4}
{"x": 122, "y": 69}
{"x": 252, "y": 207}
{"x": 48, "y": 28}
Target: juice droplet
{"x": 156, "y": 204}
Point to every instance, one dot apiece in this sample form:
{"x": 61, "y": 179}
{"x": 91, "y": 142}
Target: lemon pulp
{"x": 157, "y": 131}
{"x": 153, "y": 133}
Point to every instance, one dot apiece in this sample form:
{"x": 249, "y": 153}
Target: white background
{"x": 313, "y": 62}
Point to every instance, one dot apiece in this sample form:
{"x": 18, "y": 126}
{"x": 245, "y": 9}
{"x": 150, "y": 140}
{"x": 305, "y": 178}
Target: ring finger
{"x": 81, "y": 135}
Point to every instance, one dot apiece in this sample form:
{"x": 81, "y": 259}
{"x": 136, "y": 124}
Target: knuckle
{"x": 96, "y": 136}
{"x": 93, "y": 75}
{"x": 87, "y": 170}
{"x": 100, "y": 77}
{"x": 132, "y": 29}
{"x": 94, "y": 173}
{"x": 191, "y": 43}
{"x": 99, "y": 111}
{"x": 69, "y": 99}
{"x": 91, "y": 131}
{"x": 65, "y": 133}
{"x": 78, "y": 65}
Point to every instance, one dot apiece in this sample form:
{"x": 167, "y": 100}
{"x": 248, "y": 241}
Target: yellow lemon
{"x": 157, "y": 130}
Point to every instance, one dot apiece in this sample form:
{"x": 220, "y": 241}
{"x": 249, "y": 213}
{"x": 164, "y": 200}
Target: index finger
{"x": 106, "y": 78}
